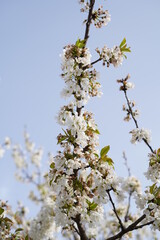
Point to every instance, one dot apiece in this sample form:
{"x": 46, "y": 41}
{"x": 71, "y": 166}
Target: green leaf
{"x": 152, "y": 188}
{"x": 61, "y": 139}
{"x": 125, "y": 56}
{"x": 104, "y": 151}
{"x": 108, "y": 160}
{"x": 19, "y": 230}
{"x": 80, "y": 43}
{"x": 158, "y": 201}
{"x": 91, "y": 205}
{"x": 8, "y": 219}
{"x": 64, "y": 131}
{"x": 158, "y": 151}
{"x": 52, "y": 165}
{"x": 97, "y": 131}
{"x": 69, "y": 156}
{"x": 27, "y": 238}
{"x": 1, "y": 210}
{"x": 78, "y": 184}
{"x": 126, "y": 49}
{"x": 50, "y": 182}
{"x": 123, "y": 42}
{"x": 96, "y": 155}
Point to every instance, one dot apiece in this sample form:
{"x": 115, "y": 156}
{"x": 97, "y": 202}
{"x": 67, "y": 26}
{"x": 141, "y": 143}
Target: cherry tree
{"x": 81, "y": 195}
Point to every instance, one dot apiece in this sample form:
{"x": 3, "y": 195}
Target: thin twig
{"x": 128, "y": 206}
{"x": 130, "y": 193}
{"x": 126, "y": 164}
{"x": 86, "y": 36}
{"x": 143, "y": 225}
{"x": 88, "y": 23}
{"x": 135, "y": 121}
{"x": 130, "y": 228}
{"x": 115, "y": 211}
{"x": 99, "y": 59}
{"x": 130, "y": 109}
{"x": 92, "y": 63}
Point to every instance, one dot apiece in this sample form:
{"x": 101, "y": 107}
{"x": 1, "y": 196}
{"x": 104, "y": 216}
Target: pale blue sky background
{"x": 33, "y": 33}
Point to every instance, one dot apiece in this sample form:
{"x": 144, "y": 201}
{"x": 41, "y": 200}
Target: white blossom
{"x": 139, "y": 134}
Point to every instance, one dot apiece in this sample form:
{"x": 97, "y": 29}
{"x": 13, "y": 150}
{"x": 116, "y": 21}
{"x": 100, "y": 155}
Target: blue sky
{"x": 33, "y": 34}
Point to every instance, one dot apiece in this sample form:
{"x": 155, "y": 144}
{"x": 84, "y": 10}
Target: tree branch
{"x": 99, "y": 59}
{"x": 115, "y": 211}
{"x": 130, "y": 193}
{"x": 86, "y": 36}
{"x": 130, "y": 228}
{"x": 126, "y": 164}
{"x": 143, "y": 225}
{"x": 128, "y": 206}
{"x": 132, "y": 115}
{"x": 88, "y": 23}
{"x": 81, "y": 231}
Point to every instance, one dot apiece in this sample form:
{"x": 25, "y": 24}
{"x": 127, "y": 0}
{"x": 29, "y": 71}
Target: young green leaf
{"x": 18, "y": 230}
{"x": 52, "y": 165}
{"x": 62, "y": 139}
{"x": 91, "y": 205}
{"x": 96, "y": 155}
{"x": 27, "y": 238}
{"x": 126, "y": 49}
{"x": 104, "y": 151}
{"x": 122, "y": 43}
{"x": 97, "y": 131}
{"x": 80, "y": 43}
{"x": 1, "y": 210}
{"x": 152, "y": 188}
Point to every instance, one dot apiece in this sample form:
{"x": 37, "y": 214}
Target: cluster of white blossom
{"x": 131, "y": 184}
{"x": 112, "y": 222}
{"x": 111, "y": 55}
{"x": 81, "y": 126}
{"x": 43, "y": 226}
{"x": 152, "y": 196}
{"x": 139, "y": 134}
{"x": 149, "y": 204}
{"x": 85, "y": 5}
{"x": 129, "y": 85}
{"x": 80, "y": 176}
{"x": 25, "y": 158}
{"x": 12, "y": 222}
{"x": 153, "y": 171}
{"x": 101, "y": 17}
{"x": 80, "y": 82}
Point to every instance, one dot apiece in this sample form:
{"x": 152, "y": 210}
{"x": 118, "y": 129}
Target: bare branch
{"x": 128, "y": 206}
{"x": 99, "y": 59}
{"x": 115, "y": 211}
{"x": 130, "y": 228}
{"x": 126, "y": 163}
{"x": 130, "y": 193}
{"x": 86, "y": 36}
{"x": 132, "y": 115}
{"x": 143, "y": 225}
{"x": 88, "y": 23}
